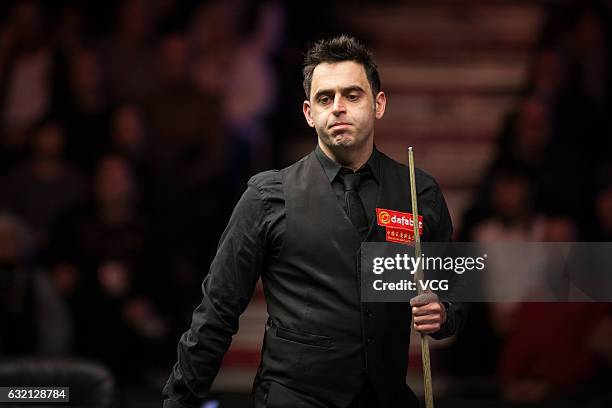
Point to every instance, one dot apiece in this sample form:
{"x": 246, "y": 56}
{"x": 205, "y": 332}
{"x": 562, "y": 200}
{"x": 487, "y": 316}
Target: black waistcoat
{"x": 320, "y": 339}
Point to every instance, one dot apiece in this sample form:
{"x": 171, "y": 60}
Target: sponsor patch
{"x": 397, "y": 219}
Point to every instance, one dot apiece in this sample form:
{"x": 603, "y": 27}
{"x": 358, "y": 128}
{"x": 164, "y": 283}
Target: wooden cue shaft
{"x": 429, "y": 403}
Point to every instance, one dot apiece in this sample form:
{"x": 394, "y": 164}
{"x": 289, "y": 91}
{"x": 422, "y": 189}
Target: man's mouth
{"x": 339, "y": 124}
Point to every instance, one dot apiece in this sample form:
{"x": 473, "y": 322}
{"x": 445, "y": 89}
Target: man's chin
{"x": 342, "y": 140}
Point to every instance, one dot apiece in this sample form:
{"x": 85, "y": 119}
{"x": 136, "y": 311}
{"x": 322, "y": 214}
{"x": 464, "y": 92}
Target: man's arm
{"x": 227, "y": 290}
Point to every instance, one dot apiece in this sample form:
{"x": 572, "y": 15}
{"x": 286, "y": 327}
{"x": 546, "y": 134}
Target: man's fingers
{"x": 423, "y": 299}
{"x": 427, "y": 328}
{"x": 428, "y": 319}
{"x": 427, "y": 312}
{"x": 427, "y": 309}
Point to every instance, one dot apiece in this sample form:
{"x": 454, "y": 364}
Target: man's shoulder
{"x": 266, "y": 179}
{"x": 273, "y": 178}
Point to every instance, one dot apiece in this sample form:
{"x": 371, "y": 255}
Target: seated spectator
{"x": 548, "y": 354}
{"x": 86, "y": 109}
{"x": 100, "y": 253}
{"x": 33, "y": 318}
{"x": 45, "y": 186}
{"x": 28, "y": 64}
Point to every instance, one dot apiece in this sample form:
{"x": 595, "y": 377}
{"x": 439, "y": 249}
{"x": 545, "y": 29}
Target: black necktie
{"x": 354, "y": 205}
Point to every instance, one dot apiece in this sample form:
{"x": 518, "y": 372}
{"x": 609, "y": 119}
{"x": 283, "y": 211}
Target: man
{"x": 300, "y": 229}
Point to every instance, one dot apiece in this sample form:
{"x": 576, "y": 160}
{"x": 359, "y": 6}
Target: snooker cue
{"x": 417, "y": 277}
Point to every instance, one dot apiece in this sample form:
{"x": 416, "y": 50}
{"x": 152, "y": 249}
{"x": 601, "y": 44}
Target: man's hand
{"x": 428, "y": 314}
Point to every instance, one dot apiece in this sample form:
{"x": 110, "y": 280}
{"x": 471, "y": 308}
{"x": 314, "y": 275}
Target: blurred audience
{"x": 129, "y": 136}
{"x": 109, "y": 226}
{"x": 128, "y": 54}
{"x": 85, "y": 108}
{"x": 28, "y": 64}
{"x": 45, "y": 174}
{"x": 551, "y": 352}
{"x": 549, "y": 181}
{"x": 97, "y": 263}
{"x": 547, "y": 353}
{"x": 513, "y": 216}
{"x": 187, "y": 143}
{"x": 251, "y": 93}
{"x": 33, "y": 317}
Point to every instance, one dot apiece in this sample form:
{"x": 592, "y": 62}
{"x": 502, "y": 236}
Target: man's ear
{"x": 380, "y": 103}
{"x": 308, "y": 114}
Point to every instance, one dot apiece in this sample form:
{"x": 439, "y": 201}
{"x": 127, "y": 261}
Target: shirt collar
{"x": 331, "y": 168}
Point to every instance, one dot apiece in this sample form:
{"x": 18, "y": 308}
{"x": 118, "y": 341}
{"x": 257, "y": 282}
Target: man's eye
{"x": 324, "y": 100}
{"x": 352, "y": 97}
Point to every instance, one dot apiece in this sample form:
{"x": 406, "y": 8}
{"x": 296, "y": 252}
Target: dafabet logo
{"x": 384, "y": 217}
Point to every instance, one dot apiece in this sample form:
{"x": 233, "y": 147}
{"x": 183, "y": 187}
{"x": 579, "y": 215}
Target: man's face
{"x": 341, "y": 107}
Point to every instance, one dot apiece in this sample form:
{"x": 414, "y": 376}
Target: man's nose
{"x": 338, "y": 105}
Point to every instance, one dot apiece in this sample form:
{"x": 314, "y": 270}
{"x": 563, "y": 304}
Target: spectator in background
{"x": 235, "y": 65}
{"x": 581, "y": 124}
{"x": 126, "y": 329}
{"x": 577, "y": 118}
{"x": 71, "y": 30}
{"x": 187, "y": 144}
{"x": 529, "y": 144}
{"x": 513, "y": 217}
{"x": 129, "y": 137}
{"x": 548, "y": 355}
{"x": 44, "y": 186}
{"x": 579, "y": 35}
{"x": 581, "y": 31}
{"x": 32, "y": 316}
{"x": 100, "y": 253}
{"x": 213, "y": 39}
{"x": 252, "y": 93}
{"x": 27, "y": 70}
{"x": 549, "y": 75}
{"x": 527, "y": 134}
{"x": 128, "y": 56}
{"x": 110, "y": 226}
{"x": 192, "y": 182}
{"x": 86, "y": 109}
{"x": 588, "y": 42}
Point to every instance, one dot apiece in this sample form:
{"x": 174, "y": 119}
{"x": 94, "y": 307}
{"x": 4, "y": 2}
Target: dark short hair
{"x": 339, "y": 49}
